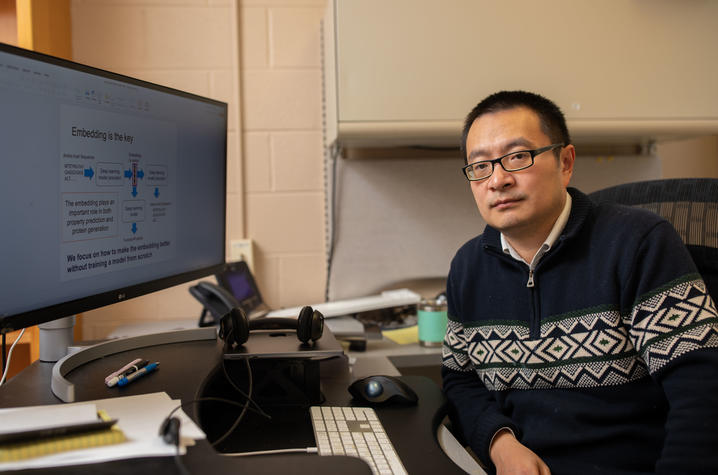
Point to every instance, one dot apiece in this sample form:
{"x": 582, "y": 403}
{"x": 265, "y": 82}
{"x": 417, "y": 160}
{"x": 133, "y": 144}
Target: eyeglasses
{"x": 511, "y": 162}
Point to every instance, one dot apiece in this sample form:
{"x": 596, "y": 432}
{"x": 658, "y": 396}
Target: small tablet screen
{"x": 238, "y": 279}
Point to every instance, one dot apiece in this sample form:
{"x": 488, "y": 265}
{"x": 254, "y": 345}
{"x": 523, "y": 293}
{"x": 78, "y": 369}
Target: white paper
{"x": 22, "y": 419}
{"x": 139, "y": 417}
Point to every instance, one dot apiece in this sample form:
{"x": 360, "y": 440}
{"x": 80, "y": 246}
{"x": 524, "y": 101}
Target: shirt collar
{"x": 551, "y": 239}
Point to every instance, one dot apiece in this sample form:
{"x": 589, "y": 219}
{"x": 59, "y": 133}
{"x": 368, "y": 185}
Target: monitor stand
{"x": 65, "y": 390}
{"x": 55, "y": 338}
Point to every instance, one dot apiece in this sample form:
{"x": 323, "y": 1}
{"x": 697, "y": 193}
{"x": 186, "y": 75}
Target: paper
{"x": 139, "y": 417}
{"x": 45, "y": 417}
{"x": 403, "y": 336}
{"x": 342, "y": 326}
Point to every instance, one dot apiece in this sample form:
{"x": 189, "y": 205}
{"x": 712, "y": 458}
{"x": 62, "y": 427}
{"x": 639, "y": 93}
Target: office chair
{"x": 689, "y": 204}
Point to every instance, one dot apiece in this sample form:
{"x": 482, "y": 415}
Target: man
{"x": 581, "y": 338}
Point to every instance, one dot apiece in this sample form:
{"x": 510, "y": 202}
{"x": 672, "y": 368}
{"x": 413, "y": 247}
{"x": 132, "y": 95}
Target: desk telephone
{"x": 215, "y": 300}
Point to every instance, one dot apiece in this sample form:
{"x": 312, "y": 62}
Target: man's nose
{"x": 500, "y": 178}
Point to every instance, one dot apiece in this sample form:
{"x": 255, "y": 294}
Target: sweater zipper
{"x": 534, "y": 323}
{"x": 535, "y": 320}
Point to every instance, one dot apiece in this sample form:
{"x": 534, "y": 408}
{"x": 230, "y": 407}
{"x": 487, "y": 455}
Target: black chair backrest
{"x": 690, "y": 204}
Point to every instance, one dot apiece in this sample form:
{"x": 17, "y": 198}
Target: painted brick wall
{"x": 282, "y": 147}
{"x": 186, "y": 44}
{"x": 263, "y": 58}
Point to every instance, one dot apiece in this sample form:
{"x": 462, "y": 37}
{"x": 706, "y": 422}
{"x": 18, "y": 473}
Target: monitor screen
{"x": 111, "y": 187}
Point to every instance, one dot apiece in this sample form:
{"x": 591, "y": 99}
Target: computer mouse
{"x": 382, "y": 390}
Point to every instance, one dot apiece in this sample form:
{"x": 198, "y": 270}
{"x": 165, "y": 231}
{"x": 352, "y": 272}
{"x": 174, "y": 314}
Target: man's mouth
{"x": 505, "y": 202}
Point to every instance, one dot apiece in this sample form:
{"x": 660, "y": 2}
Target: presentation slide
{"x": 117, "y": 192}
{"x": 112, "y": 186}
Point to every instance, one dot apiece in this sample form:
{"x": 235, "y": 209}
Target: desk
{"x": 184, "y": 367}
{"x": 383, "y": 356}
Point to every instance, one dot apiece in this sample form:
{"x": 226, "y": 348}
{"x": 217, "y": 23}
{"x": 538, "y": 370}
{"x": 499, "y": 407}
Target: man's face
{"x": 525, "y": 202}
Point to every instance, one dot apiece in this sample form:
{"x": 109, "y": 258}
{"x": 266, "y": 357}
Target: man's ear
{"x": 567, "y": 159}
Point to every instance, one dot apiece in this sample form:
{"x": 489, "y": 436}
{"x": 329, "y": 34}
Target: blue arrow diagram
{"x": 157, "y": 192}
{"x": 134, "y": 228}
{"x": 128, "y": 173}
{"x": 89, "y": 172}
{"x": 134, "y": 191}
{"x": 140, "y": 174}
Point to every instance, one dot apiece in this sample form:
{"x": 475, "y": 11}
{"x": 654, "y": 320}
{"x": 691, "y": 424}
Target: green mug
{"x": 431, "y": 315}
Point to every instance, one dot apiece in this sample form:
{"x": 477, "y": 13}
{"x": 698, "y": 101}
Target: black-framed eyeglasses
{"x": 511, "y": 162}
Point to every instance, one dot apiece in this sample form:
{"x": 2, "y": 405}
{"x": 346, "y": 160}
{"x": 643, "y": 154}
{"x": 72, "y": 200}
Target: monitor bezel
{"x": 45, "y": 314}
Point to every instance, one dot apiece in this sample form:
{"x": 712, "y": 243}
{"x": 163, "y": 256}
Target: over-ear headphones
{"x": 234, "y": 327}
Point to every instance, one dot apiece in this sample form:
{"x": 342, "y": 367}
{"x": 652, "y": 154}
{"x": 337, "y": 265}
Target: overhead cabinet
{"x": 406, "y": 72}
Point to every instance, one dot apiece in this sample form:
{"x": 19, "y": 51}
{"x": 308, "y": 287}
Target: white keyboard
{"x": 355, "y": 431}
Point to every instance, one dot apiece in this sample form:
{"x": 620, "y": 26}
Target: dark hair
{"x": 553, "y": 123}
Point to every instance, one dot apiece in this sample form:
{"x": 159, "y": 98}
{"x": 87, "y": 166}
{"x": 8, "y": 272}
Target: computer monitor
{"x": 111, "y": 187}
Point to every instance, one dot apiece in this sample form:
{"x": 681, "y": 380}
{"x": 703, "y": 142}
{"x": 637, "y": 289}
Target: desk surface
{"x": 186, "y": 365}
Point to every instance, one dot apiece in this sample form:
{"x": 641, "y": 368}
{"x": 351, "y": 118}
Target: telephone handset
{"x": 215, "y": 300}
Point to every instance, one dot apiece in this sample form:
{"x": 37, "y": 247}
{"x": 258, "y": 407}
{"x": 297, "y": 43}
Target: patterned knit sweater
{"x": 608, "y": 364}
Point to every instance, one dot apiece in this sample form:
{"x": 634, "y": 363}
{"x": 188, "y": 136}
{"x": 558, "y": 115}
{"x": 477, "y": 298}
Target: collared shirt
{"x": 548, "y": 243}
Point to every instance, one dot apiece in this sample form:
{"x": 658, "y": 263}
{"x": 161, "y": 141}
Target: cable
{"x": 9, "y": 355}
{"x": 2, "y": 369}
{"x": 178, "y": 461}
{"x": 258, "y": 409}
{"x": 244, "y": 405}
{"x": 334, "y": 151}
{"x": 244, "y": 410}
{"x": 307, "y": 450}
{"x": 205, "y": 399}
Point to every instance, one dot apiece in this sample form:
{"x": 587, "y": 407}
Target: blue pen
{"x": 125, "y": 380}
{"x": 135, "y": 367}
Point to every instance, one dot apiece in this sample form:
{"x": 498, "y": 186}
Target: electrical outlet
{"x": 242, "y": 250}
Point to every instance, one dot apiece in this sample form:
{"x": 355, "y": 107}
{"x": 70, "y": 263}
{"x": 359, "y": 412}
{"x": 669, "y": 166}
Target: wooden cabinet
{"x": 39, "y": 25}
{"x": 43, "y": 26}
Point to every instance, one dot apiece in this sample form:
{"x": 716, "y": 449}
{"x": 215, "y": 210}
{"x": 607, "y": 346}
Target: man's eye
{"x": 520, "y": 156}
{"x": 481, "y": 166}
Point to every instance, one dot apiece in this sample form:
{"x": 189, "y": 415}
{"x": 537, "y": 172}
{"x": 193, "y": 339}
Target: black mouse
{"x": 382, "y": 389}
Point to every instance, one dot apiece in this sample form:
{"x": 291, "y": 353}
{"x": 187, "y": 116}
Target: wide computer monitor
{"x": 110, "y": 188}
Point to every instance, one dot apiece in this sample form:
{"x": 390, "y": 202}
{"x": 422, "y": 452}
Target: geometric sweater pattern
{"x": 590, "y": 348}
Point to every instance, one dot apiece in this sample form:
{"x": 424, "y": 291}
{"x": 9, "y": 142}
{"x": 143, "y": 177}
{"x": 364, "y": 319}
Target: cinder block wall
{"x": 263, "y": 58}
{"x": 190, "y": 45}
{"x": 282, "y": 137}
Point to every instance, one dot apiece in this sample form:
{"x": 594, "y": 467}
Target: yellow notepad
{"x": 403, "y": 336}
{"x": 13, "y": 452}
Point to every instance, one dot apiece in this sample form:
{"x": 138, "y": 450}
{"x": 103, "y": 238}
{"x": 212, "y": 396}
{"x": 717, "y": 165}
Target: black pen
{"x": 135, "y": 367}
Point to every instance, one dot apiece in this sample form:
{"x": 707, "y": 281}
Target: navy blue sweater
{"x": 608, "y": 364}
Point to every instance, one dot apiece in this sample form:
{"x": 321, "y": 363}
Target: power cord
{"x": 331, "y": 176}
{"x": 305, "y": 450}
{"x": 170, "y": 428}
{"x": 248, "y": 397}
{"x": 2, "y": 368}
{"x": 6, "y": 362}
{"x": 256, "y": 408}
